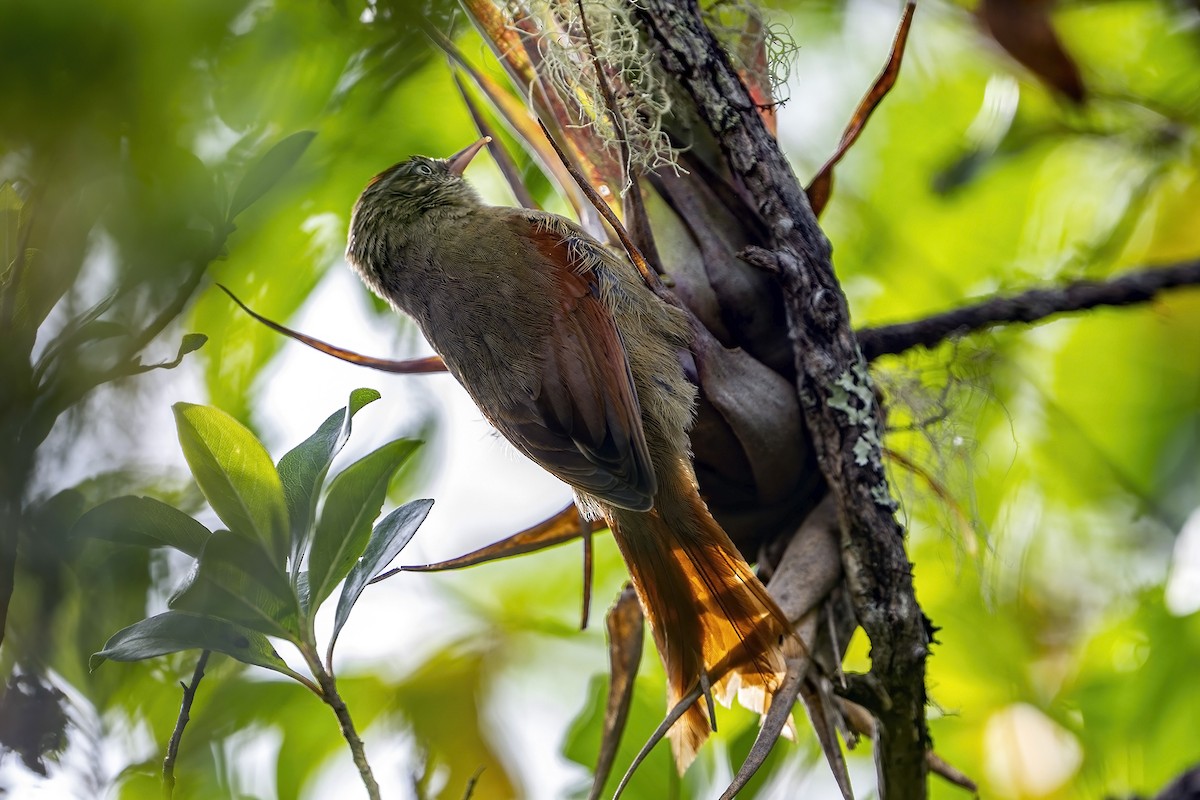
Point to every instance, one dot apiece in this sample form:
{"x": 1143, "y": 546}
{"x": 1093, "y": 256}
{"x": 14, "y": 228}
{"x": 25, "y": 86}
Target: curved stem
{"x": 329, "y": 694}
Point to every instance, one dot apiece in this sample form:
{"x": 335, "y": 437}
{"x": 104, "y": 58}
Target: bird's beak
{"x": 458, "y": 162}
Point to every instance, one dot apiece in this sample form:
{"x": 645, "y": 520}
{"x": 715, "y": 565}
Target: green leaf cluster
{"x": 277, "y": 560}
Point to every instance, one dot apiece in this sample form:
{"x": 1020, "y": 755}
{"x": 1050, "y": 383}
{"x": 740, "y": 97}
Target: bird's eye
{"x": 424, "y": 169}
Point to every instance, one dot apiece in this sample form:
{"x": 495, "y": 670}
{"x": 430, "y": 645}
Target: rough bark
{"x": 832, "y": 382}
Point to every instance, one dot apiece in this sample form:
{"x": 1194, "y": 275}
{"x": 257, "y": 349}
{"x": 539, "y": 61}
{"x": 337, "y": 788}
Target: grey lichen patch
{"x": 852, "y": 395}
{"x": 883, "y": 497}
{"x": 863, "y": 450}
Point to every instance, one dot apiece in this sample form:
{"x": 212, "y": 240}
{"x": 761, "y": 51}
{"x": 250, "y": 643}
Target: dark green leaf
{"x": 79, "y": 334}
{"x": 145, "y": 522}
{"x": 175, "y": 631}
{"x": 47, "y": 550}
{"x": 58, "y": 512}
{"x": 267, "y": 171}
{"x": 235, "y": 474}
{"x": 387, "y": 540}
{"x": 354, "y": 500}
{"x": 303, "y": 468}
{"x": 236, "y": 581}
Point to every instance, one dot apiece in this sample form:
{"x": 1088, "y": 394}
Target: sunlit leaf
{"x": 174, "y": 631}
{"x": 353, "y": 503}
{"x": 235, "y": 474}
{"x": 387, "y": 540}
{"x": 267, "y": 171}
{"x": 145, "y": 522}
{"x": 303, "y": 468}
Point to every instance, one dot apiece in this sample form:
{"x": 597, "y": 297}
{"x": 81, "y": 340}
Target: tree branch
{"x": 1029, "y": 306}
{"x": 185, "y": 715}
{"x": 833, "y": 386}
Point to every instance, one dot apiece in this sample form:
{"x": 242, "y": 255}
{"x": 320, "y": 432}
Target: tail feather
{"x": 707, "y": 610}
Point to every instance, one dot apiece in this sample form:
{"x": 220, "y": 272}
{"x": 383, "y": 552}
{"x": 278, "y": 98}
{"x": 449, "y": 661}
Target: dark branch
{"x": 414, "y": 366}
{"x": 185, "y": 714}
{"x": 1030, "y": 306}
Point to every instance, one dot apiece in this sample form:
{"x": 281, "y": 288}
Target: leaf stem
{"x": 329, "y": 694}
{"x": 185, "y": 708}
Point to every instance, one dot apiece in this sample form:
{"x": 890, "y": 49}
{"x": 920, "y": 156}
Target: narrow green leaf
{"x": 175, "y": 631}
{"x": 235, "y": 474}
{"x": 86, "y": 328}
{"x": 236, "y": 581}
{"x": 145, "y": 522}
{"x": 303, "y": 469}
{"x": 390, "y": 536}
{"x": 267, "y": 171}
{"x": 353, "y": 503}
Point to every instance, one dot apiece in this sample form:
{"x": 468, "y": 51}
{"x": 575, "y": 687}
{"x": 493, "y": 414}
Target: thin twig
{"x": 414, "y": 366}
{"x": 508, "y": 167}
{"x": 383, "y": 576}
{"x": 672, "y": 717}
{"x": 185, "y": 709}
{"x": 635, "y": 255}
{"x": 626, "y": 628}
{"x": 588, "y": 569}
{"x": 635, "y": 210}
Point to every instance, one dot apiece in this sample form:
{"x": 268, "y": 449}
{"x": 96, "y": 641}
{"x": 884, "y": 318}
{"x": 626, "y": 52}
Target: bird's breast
{"x": 484, "y": 307}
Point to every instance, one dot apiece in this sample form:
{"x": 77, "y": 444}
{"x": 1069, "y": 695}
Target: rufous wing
{"x": 584, "y": 424}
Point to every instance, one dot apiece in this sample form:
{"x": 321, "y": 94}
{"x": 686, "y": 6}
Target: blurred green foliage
{"x": 1059, "y": 465}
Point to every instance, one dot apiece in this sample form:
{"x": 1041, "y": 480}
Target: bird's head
{"x": 406, "y": 192}
{"x": 406, "y": 202}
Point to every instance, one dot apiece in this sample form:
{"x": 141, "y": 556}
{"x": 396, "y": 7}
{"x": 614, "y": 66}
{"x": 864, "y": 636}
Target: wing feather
{"x": 584, "y": 424}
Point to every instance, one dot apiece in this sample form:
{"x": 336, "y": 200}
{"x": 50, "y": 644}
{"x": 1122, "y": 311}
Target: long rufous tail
{"x": 706, "y": 608}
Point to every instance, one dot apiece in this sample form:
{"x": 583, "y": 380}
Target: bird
{"x": 579, "y": 365}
